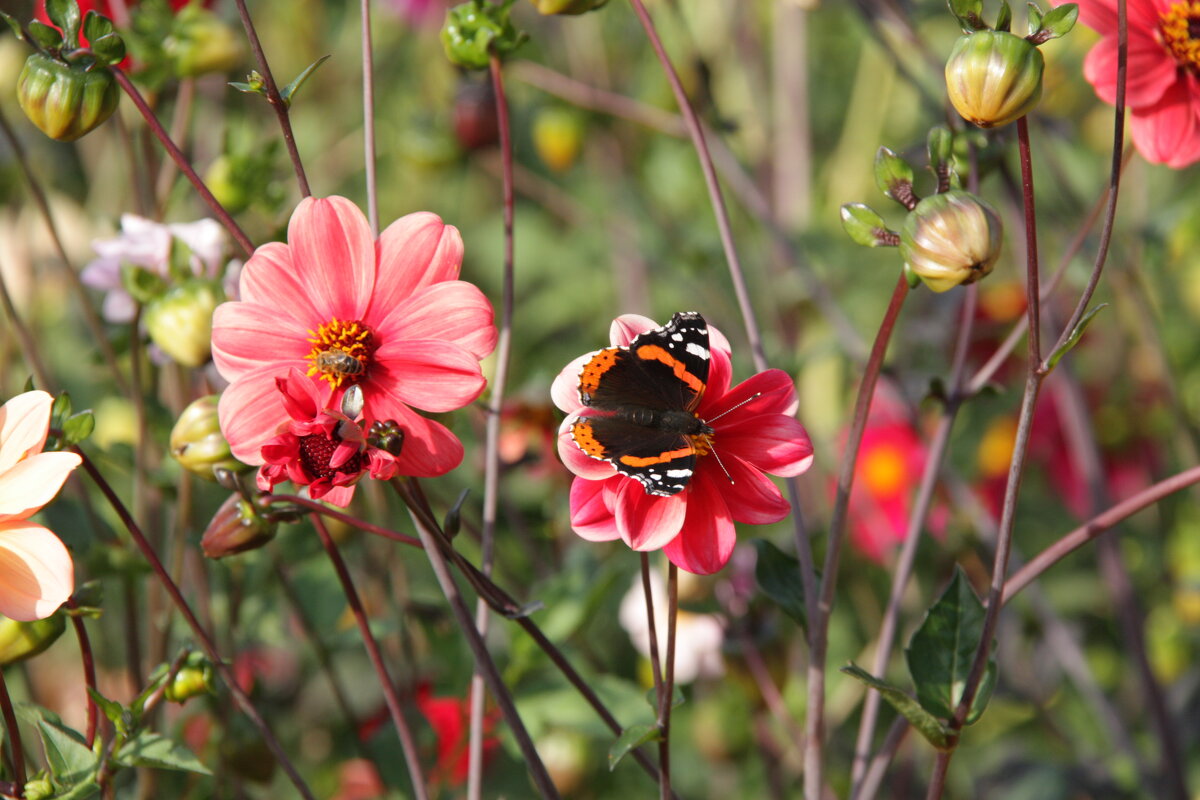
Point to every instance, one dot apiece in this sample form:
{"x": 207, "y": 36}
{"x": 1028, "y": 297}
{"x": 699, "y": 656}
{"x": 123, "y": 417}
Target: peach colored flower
{"x": 36, "y": 573}
{"x": 387, "y": 315}
{"x": 754, "y": 432}
{"x": 1162, "y": 88}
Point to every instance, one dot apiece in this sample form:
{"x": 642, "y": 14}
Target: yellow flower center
{"x": 884, "y": 471}
{"x": 340, "y": 352}
{"x": 1180, "y": 28}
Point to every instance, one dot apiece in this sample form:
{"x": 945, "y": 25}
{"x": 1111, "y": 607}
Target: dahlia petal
{"x": 777, "y": 395}
{"x": 773, "y": 443}
{"x": 720, "y": 375}
{"x": 707, "y": 537}
{"x": 36, "y": 573}
{"x": 579, "y": 462}
{"x": 647, "y": 521}
{"x": 24, "y": 421}
{"x": 244, "y": 333}
{"x": 750, "y": 496}
{"x": 332, "y": 247}
{"x": 252, "y": 414}
{"x": 301, "y": 397}
{"x": 1168, "y": 132}
{"x": 591, "y": 510}
{"x": 415, "y": 251}
{"x": 339, "y": 495}
{"x": 454, "y": 311}
{"x": 1101, "y": 15}
{"x": 625, "y": 328}
{"x": 271, "y": 278}
{"x": 429, "y": 450}
{"x": 1151, "y": 71}
{"x": 429, "y": 374}
{"x": 33, "y": 482}
{"x": 564, "y": 391}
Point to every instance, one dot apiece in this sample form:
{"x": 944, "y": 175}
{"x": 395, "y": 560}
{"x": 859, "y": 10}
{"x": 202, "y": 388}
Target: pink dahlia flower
{"x": 1163, "y": 85}
{"x": 320, "y": 448}
{"x": 387, "y": 315}
{"x": 36, "y": 573}
{"x": 754, "y": 431}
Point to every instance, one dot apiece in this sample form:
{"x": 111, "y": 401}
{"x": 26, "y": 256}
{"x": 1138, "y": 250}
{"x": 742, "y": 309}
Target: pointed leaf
{"x": 631, "y": 738}
{"x": 289, "y": 91}
{"x": 116, "y": 713}
{"x": 926, "y": 724}
{"x": 14, "y": 24}
{"x": 1058, "y": 22}
{"x": 65, "y": 15}
{"x": 80, "y": 791}
{"x": 942, "y": 649}
{"x": 940, "y": 146}
{"x": 778, "y": 576}
{"x": 1075, "y": 336}
{"x": 149, "y": 749}
{"x": 96, "y": 25}
{"x": 68, "y": 757}
{"x": 867, "y": 228}
{"x": 1035, "y": 18}
{"x": 79, "y": 427}
{"x": 894, "y": 177}
{"x": 1004, "y": 18}
{"x": 969, "y": 13}
{"x": 45, "y": 37}
{"x": 109, "y": 48}
{"x": 677, "y": 698}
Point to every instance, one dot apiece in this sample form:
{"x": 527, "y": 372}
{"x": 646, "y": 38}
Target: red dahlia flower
{"x": 1163, "y": 77}
{"x": 388, "y": 316}
{"x": 753, "y": 431}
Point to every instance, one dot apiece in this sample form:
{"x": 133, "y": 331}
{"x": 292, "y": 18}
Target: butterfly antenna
{"x": 749, "y": 399}
{"x": 712, "y": 451}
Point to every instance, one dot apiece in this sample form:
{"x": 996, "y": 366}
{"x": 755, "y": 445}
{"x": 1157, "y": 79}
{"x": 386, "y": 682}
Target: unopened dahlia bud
{"x": 197, "y": 443}
{"x": 200, "y": 42}
{"x": 994, "y": 77}
{"x": 194, "y": 678}
{"x": 180, "y": 321}
{"x": 65, "y": 100}
{"x": 235, "y": 528}
{"x": 22, "y": 640}
{"x": 39, "y": 787}
{"x": 567, "y": 6}
{"x": 387, "y": 435}
{"x": 951, "y": 239}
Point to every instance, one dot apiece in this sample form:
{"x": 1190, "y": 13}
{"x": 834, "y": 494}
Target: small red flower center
{"x": 1180, "y": 29}
{"x": 341, "y": 352}
{"x": 316, "y": 451}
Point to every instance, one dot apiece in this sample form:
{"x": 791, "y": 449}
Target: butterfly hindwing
{"x": 662, "y": 461}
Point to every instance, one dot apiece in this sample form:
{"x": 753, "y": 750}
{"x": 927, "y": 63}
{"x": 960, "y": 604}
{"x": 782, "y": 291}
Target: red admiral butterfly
{"x": 644, "y": 399}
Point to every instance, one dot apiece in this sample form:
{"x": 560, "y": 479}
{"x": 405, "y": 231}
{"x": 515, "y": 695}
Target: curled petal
{"x": 707, "y": 537}
{"x": 36, "y": 573}
{"x": 627, "y": 327}
{"x": 646, "y": 521}
{"x": 578, "y": 461}
{"x": 24, "y": 421}
{"x": 251, "y": 413}
{"x": 565, "y": 389}
{"x": 33, "y": 483}
{"x": 592, "y": 510}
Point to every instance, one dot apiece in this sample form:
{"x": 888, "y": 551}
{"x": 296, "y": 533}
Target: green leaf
{"x": 14, "y": 24}
{"x": 45, "y": 37}
{"x": 149, "y": 749}
{"x": 1004, "y": 18}
{"x": 79, "y": 427}
{"x": 926, "y": 724}
{"x": 1035, "y": 18}
{"x": 969, "y": 13}
{"x": 65, "y": 14}
{"x": 116, "y": 713}
{"x": 677, "y": 698}
{"x": 894, "y": 177}
{"x": 942, "y": 649}
{"x": 865, "y": 227}
{"x": 80, "y": 791}
{"x": 778, "y": 576}
{"x": 1074, "y": 338}
{"x": 68, "y": 757}
{"x": 474, "y": 30}
{"x": 631, "y": 738}
{"x": 96, "y": 26}
{"x": 1058, "y": 22}
{"x": 109, "y": 48}
{"x": 289, "y": 91}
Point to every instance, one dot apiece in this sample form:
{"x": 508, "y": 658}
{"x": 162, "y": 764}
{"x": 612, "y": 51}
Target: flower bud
{"x": 236, "y": 527}
{"x": 39, "y": 787}
{"x": 558, "y": 137}
{"x": 65, "y": 100}
{"x": 994, "y": 77}
{"x": 22, "y": 640}
{"x": 567, "y": 6}
{"x": 194, "y": 678}
{"x": 950, "y": 239}
{"x": 475, "y": 123}
{"x": 387, "y": 435}
{"x": 180, "y": 321}
{"x": 200, "y": 43}
{"x": 197, "y": 443}
{"x": 477, "y": 29}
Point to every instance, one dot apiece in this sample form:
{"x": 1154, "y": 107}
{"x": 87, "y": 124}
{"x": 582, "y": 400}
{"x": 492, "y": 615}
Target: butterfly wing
{"x": 662, "y": 461}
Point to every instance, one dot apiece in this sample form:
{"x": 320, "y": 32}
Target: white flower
{"x": 698, "y": 637}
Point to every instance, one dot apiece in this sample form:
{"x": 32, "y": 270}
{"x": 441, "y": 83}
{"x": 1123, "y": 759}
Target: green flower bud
{"x": 476, "y": 29}
{"x": 194, "y": 678}
{"x": 235, "y": 528}
{"x": 180, "y": 321}
{"x": 994, "y": 77}
{"x": 951, "y": 239}
{"x": 22, "y": 640}
{"x": 65, "y": 100}
{"x": 200, "y": 43}
{"x": 40, "y": 787}
{"x": 197, "y": 443}
{"x": 567, "y": 6}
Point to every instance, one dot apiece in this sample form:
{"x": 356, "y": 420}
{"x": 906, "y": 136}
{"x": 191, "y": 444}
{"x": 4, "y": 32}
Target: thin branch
{"x": 667, "y": 694}
{"x": 368, "y": 72}
{"x": 89, "y": 669}
{"x": 14, "y": 737}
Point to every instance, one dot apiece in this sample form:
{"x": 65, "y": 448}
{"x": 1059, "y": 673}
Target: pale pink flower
{"x": 754, "y": 432}
{"x": 36, "y": 573}
{"x": 387, "y": 315}
{"x": 1162, "y": 88}
{"x": 698, "y": 637}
